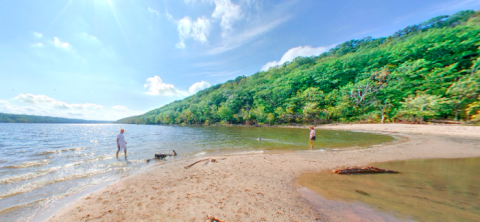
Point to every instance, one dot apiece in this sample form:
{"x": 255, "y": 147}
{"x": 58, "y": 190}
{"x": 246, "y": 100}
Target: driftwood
{"x": 358, "y": 170}
{"x": 209, "y": 160}
{"x": 196, "y": 163}
{"x": 362, "y": 192}
{"x": 214, "y": 219}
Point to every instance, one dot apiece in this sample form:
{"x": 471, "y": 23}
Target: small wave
{"x": 27, "y": 176}
{"x": 29, "y": 164}
{"x": 32, "y": 175}
{"x": 42, "y": 183}
{"x": 199, "y": 154}
{"x": 59, "y": 151}
{"x": 16, "y": 207}
{"x": 249, "y": 152}
{"x": 48, "y": 152}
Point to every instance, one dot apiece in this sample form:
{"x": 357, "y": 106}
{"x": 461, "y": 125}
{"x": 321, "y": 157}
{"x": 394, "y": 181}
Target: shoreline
{"x": 256, "y": 186}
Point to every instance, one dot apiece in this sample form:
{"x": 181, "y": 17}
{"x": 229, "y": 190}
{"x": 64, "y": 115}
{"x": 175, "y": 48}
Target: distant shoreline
{"x": 256, "y": 186}
{"x": 21, "y": 118}
{"x": 63, "y": 123}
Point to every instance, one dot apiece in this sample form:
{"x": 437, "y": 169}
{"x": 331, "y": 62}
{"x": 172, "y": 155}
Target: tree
{"x": 225, "y": 113}
{"x": 422, "y": 105}
{"x": 383, "y": 107}
{"x": 365, "y": 92}
{"x": 310, "y": 110}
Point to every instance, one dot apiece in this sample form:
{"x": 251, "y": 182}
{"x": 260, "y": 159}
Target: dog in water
{"x": 162, "y": 155}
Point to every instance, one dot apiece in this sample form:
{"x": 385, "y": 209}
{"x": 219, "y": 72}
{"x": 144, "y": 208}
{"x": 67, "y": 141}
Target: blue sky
{"x": 109, "y": 59}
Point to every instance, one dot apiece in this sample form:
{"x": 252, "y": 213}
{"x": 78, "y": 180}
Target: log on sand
{"x": 208, "y": 159}
{"x": 362, "y": 170}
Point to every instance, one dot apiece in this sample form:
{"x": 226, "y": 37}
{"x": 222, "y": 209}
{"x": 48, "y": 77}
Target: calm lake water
{"x": 42, "y": 163}
{"x": 425, "y": 190}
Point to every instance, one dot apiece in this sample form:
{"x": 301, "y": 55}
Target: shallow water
{"x": 426, "y": 190}
{"x": 41, "y": 163}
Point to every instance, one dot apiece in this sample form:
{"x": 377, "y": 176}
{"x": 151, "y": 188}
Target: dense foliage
{"x": 14, "y": 118}
{"x": 424, "y": 72}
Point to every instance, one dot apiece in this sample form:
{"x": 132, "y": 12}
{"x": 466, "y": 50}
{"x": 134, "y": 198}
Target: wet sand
{"x": 257, "y": 187}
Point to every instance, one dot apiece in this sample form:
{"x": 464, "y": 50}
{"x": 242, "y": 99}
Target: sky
{"x": 110, "y": 59}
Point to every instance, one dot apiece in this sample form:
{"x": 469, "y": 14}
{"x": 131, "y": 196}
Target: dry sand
{"x": 256, "y": 187}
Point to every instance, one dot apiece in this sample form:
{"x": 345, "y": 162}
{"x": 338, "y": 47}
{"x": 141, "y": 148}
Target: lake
{"x": 425, "y": 190}
{"x": 43, "y": 163}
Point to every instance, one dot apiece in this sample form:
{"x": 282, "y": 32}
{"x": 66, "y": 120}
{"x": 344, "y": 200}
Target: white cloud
{"x": 198, "y": 30}
{"x": 53, "y": 103}
{"x": 63, "y": 45}
{"x": 184, "y": 27}
{"x": 168, "y": 15}
{"x": 89, "y": 38}
{"x": 157, "y": 87}
{"x": 228, "y": 12}
{"x": 198, "y": 86}
{"x": 188, "y": 2}
{"x": 246, "y": 36}
{"x": 180, "y": 45}
{"x": 37, "y": 45}
{"x": 38, "y": 34}
{"x": 294, "y": 53}
{"x": 120, "y": 108}
{"x": 43, "y": 105}
{"x": 154, "y": 12}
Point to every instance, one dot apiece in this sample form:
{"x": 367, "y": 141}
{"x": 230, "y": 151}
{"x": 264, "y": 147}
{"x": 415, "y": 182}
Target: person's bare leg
{"x": 117, "y": 153}
{"x": 125, "y": 154}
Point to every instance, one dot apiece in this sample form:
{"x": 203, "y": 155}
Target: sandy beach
{"x": 258, "y": 186}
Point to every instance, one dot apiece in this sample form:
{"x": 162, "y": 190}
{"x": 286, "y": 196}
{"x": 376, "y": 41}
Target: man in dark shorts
{"x": 312, "y": 137}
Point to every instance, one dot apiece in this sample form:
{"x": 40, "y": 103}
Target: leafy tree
{"x": 422, "y": 105}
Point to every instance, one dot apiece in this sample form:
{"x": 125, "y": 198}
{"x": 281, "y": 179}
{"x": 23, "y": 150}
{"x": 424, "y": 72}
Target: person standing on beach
{"x": 121, "y": 143}
{"x": 312, "y": 137}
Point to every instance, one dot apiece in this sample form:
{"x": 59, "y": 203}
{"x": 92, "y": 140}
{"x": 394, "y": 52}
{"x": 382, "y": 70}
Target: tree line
{"x": 20, "y": 118}
{"x": 425, "y": 72}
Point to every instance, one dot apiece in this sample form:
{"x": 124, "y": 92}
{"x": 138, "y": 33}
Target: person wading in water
{"x": 312, "y": 137}
{"x": 121, "y": 143}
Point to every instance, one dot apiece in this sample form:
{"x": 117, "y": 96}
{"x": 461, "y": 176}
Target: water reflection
{"x": 426, "y": 190}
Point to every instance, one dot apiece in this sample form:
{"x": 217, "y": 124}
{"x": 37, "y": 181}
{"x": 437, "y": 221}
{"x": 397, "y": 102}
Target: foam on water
{"x": 200, "y": 154}
{"x": 60, "y": 151}
{"x": 29, "y": 164}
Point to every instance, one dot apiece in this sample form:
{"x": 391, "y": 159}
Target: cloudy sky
{"x": 108, "y": 59}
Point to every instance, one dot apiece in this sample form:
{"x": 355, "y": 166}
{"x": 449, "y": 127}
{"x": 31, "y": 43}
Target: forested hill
{"x": 424, "y": 72}
{"x": 15, "y": 118}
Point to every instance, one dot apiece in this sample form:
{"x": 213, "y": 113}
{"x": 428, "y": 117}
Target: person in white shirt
{"x": 312, "y": 137}
{"x": 121, "y": 143}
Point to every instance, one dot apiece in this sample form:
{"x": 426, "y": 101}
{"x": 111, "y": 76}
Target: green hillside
{"x": 15, "y": 118}
{"x": 424, "y": 72}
